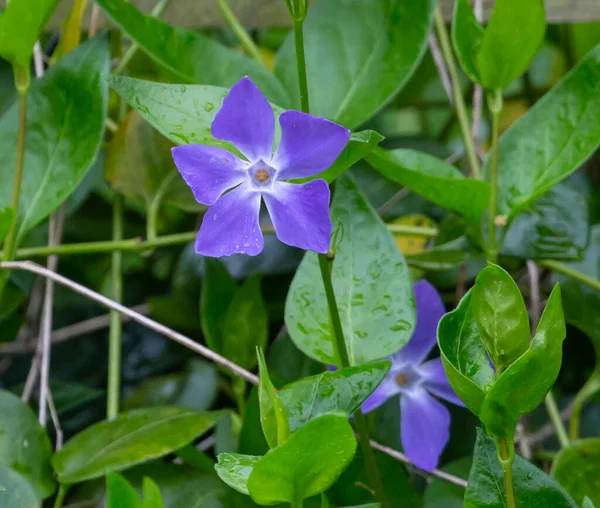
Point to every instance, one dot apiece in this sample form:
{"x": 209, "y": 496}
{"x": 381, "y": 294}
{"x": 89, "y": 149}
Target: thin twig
{"x": 93, "y": 20}
{"x": 55, "y": 421}
{"x": 38, "y": 59}
{"x": 395, "y": 199}
{"x": 547, "y": 430}
{"x": 135, "y": 316}
{"x": 438, "y": 59}
{"x": 70, "y": 332}
{"x": 533, "y": 272}
{"x": 442, "y": 475}
{"x": 477, "y": 90}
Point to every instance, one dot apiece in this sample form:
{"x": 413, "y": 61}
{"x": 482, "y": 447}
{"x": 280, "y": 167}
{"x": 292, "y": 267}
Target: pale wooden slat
{"x": 270, "y": 13}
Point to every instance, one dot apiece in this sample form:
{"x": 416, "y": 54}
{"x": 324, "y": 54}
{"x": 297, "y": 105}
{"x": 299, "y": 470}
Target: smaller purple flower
{"x": 300, "y": 212}
{"x": 424, "y": 421}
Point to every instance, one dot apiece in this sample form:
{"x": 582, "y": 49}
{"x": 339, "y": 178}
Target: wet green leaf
{"x": 68, "y": 103}
{"x": 24, "y": 445}
{"x": 133, "y": 437}
{"x": 433, "y": 179}
{"x": 235, "y": 469}
{"x": 182, "y": 113}
{"x": 516, "y": 391}
{"x": 342, "y": 390}
{"x": 120, "y": 493}
{"x": 463, "y": 355}
{"x": 17, "y": 492}
{"x": 371, "y": 283}
{"x": 556, "y": 226}
{"x": 273, "y": 413}
{"x": 190, "y": 56}
{"x": 467, "y": 35}
{"x": 20, "y": 25}
{"x": 501, "y": 316}
{"x": 533, "y": 488}
{"x": 308, "y": 463}
{"x": 511, "y": 39}
{"x": 576, "y": 468}
{"x": 528, "y": 165}
{"x": 352, "y": 60}
{"x": 139, "y": 165}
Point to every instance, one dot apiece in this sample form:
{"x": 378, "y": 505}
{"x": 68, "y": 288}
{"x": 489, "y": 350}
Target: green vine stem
{"x": 116, "y": 323}
{"x": 240, "y": 32}
{"x": 60, "y": 497}
{"x": 554, "y": 413}
{"x": 11, "y": 237}
{"x": 506, "y": 455}
{"x": 495, "y": 105}
{"x": 459, "y": 101}
{"x": 588, "y": 390}
{"x": 298, "y": 14}
{"x": 556, "y": 266}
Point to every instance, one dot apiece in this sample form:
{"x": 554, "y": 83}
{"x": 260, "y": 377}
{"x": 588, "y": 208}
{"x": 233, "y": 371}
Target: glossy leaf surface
{"x": 433, "y": 179}
{"x": 235, "y": 469}
{"x": 501, "y": 316}
{"x": 467, "y": 35}
{"x": 551, "y": 140}
{"x": 463, "y": 355}
{"x": 16, "y": 491}
{"x": 190, "y": 56}
{"x": 371, "y": 283}
{"x": 24, "y": 445}
{"x": 307, "y": 464}
{"x": 69, "y": 103}
{"x": 511, "y": 39}
{"x": 352, "y": 60}
{"x": 120, "y": 493}
{"x": 533, "y": 488}
{"x": 576, "y": 469}
{"x": 341, "y": 390}
{"x": 516, "y": 391}
{"x": 133, "y": 437}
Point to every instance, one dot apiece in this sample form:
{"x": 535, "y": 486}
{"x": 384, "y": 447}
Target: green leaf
{"x": 529, "y": 165}
{"x": 353, "y": 64}
{"x": 463, "y": 355}
{"x": 510, "y": 41}
{"x": 139, "y": 165}
{"x": 342, "y": 390}
{"x": 587, "y": 503}
{"x": 68, "y": 103}
{"x": 120, "y": 493}
{"x": 190, "y": 56}
{"x": 235, "y": 469}
{"x": 273, "y": 414}
{"x": 182, "y": 113}
{"x": 556, "y": 226}
{"x": 308, "y": 463}
{"x": 133, "y": 437}
{"x": 467, "y": 35}
{"x": 152, "y": 495}
{"x": 440, "y": 493}
{"x": 20, "y": 25}
{"x": 580, "y": 302}
{"x": 246, "y": 324}
{"x": 517, "y": 390}
{"x": 444, "y": 256}
{"x": 24, "y": 445}
{"x": 501, "y": 315}
{"x": 371, "y": 283}
{"x": 360, "y": 144}
{"x": 533, "y": 488}
{"x": 433, "y": 179}
{"x": 576, "y": 469}
{"x": 16, "y": 491}
{"x": 7, "y": 218}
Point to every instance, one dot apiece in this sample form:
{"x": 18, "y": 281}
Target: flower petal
{"x": 436, "y": 382}
{"x": 300, "y": 214}
{"x": 387, "y": 389}
{"x": 430, "y": 309}
{"x": 231, "y": 225}
{"x": 308, "y": 146}
{"x": 425, "y": 428}
{"x": 208, "y": 170}
{"x": 246, "y": 120}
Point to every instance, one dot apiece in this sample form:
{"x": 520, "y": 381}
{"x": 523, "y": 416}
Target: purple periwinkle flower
{"x": 299, "y": 212}
{"x": 424, "y": 421}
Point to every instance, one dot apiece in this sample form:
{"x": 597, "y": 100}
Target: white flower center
{"x": 261, "y": 175}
